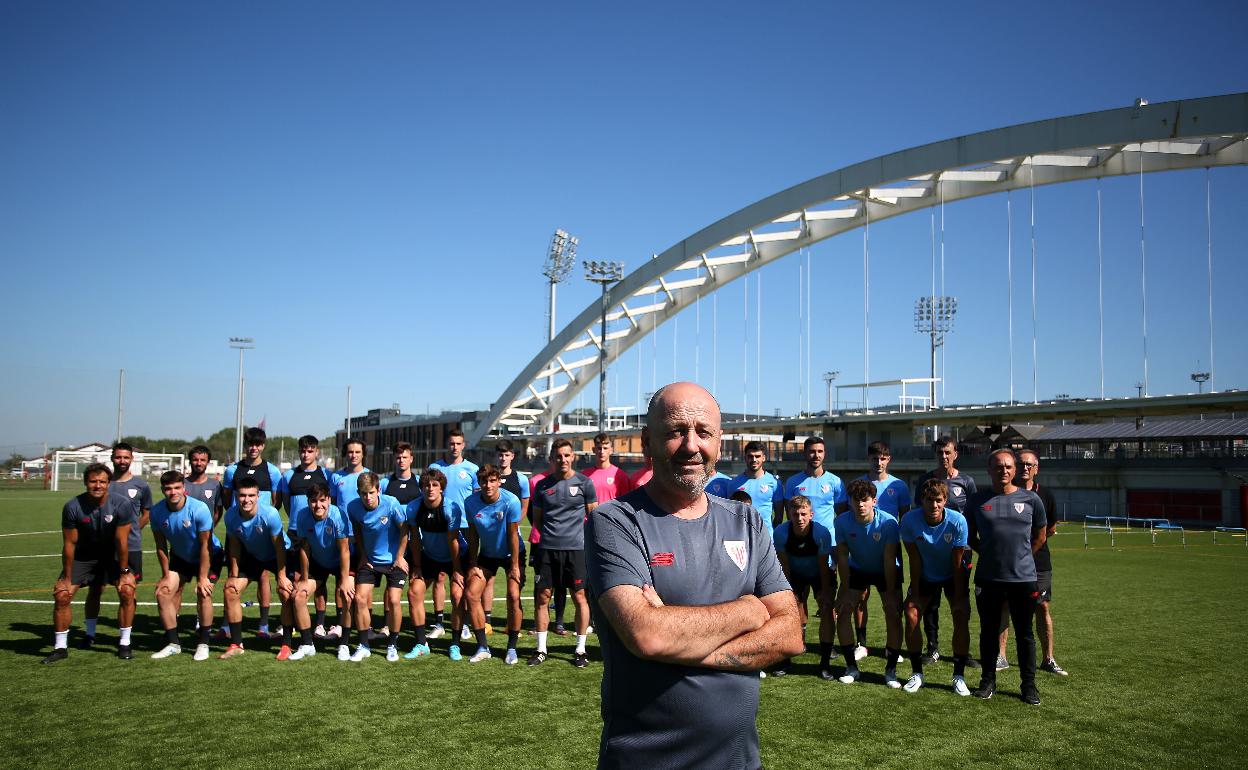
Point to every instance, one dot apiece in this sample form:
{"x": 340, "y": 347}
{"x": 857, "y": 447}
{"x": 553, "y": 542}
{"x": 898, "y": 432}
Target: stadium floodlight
{"x": 559, "y": 260}
{"x": 604, "y": 274}
{"x": 933, "y": 316}
{"x": 240, "y": 344}
{"x": 1200, "y": 378}
{"x": 828, "y": 379}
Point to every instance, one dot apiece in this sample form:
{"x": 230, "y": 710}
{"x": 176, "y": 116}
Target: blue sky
{"x": 370, "y": 195}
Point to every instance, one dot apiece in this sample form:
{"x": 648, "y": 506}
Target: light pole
{"x": 1200, "y": 378}
{"x": 934, "y": 316}
{"x": 828, "y": 379}
{"x": 241, "y": 344}
{"x": 559, "y": 260}
{"x": 1139, "y": 390}
{"x": 603, "y": 274}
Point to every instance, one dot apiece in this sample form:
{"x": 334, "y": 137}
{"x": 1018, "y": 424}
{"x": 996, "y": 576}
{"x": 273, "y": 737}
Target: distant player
{"x": 516, "y": 483}
{"x": 433, "y": 525}
{"x": 95, "y": 529}
{"x": 866, "y": 556}
{"x": 560, "y": 598}
{"x": 763, "y": 487}
{"x": 493, "y": 544}
{"x": 823, "y": 488}
{"x": 403, "y": 485}
{"x": 380, "y": 525}
{"x": 805, "y": 548}
{"x": 187, "y": 550}
{"x": 256, "y": 544}
{"x": 139, "y": 493}
{"x": 644, "y": 474}
{"x": 268, "y": 478}
{"x": 562, "y": 502}
{"x": 293, "y": 488}
{"x": 609, "y": 481}
{"x": 461, "y": 481}
{"x": 324, "y": 550}
{"x": 344, "y": 482}
{"x": 201, "y": 486}
{"x": 935, "y": 539}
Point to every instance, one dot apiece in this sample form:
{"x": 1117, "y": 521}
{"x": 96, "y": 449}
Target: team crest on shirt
{"x": 764, "y": 488}
{"x": 737, "y": 552}
{"x": 890, "y": 492}
{"x": 208, "y": 493}
{"x": 610, "y": 479}
{"x": 498, "y": 515}
{"x": 463, "y": 474}
{"x": 132, "y": 492}
{"x": 825, "y": 488}
{"x": 948, "y": 537}
{"x": 1018, "y": 507}
{"x": 260, "y": 527}
{"x": 385, "y": 519}
{"x": 108, "y": 517}
{"x": 574, "y": 491}
{"x": 875, "y": 536}
{"x": 186, "y": 523}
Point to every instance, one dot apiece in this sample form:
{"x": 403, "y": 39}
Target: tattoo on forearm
{"x": 728, "y": 660}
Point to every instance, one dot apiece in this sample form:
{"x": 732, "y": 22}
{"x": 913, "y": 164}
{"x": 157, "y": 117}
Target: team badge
{"x": 132, "y": 492}
{"x": 876, "y": 537}
{"x": 463, "y": 474}
{"x": 574, "y": 491}
{"x": 891, "y": 492}
{"x": 764, "y": 488}
{"x": 948, "y": 537}
{"x": 1019, "y": 507}
{"x": 610, "y": 479}
{"x": 108, "y": 517}
{"x": 385, "y": 519}
{"x": 208, "y": 493}
{"x": 737, "y": 552}
{"x": 498, "y": 515}
{"x": 260, "y": 528}
{"x": 186, "y": 523}
{"x": 825, "y": 488}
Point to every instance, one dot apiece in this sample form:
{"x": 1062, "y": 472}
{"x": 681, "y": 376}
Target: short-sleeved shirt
{"x": 658, "y": 714}
{"x": 1044, "y": 561}
{"x": 344, "y": 487}
{"x": 866, "y": 542}
{"x": 765, "y": 494}
{"x": 805, "y": 552}
{"x": 434, "y": 523}
{"x": 609, "y": 482}
{"x": 461, "y": 479}
{"x": 891, "y": 494}
{"x": 562, "y": 503}
{"x": 516, "y": 483}
{"x": 97, "y": 525}
{"x": 322, "y": 536}
{"x": 1004, "y": 524}
{"x": 935, "y": 543}
{"x": 294, "y": 487}
{"x": 208, "y": 492}
{"x": 959, "y": 489}
{"x": 381, "y": 529}
{"x": 266, "y": 474}
{"x": 403, "y": 490}
{"x": 718, "y": 485}
{"x": 181, "y": 528}
{"x": 825, "y": 493}
{"x": 535, "y": 536}
{"x": 255, "y": 534}
{"x": 490, "y": 520}
{"x": 139, "y": 493}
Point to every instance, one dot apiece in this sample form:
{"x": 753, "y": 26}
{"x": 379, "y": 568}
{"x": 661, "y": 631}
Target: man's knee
{"x": 126, "y": 592}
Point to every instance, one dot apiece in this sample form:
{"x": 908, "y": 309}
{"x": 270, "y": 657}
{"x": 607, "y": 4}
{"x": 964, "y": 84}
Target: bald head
{"x": 680, "y": 395}
{"x": 682, "y": 436}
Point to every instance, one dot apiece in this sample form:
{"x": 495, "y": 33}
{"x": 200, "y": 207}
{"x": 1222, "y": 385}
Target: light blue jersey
{"x": 718, "y": 485}
{"x": 181, "y": 528}
{"x": 766, "y": 493}
{"x": 866, "y": 541}
{"x": 342, "y": 486}
{"x": 490, "y": 520}
{"x": 935, "y": 543}
{"x": 266, "y": 475}
{"x": 434, "y": 523}
{"x": 322, "y": 536}
{"x": 461, "y": 479}
{"x": 805, "y": 553}
{"x": 825, "y": 493}
{"x": 294, "y": 488}
{"x": 381, "y": 528}
{"x": 256, "y": 534}
{"x": 891, "y": 495}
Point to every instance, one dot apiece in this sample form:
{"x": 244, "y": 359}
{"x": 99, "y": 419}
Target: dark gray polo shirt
{"x": 139, "y": 493}
{"x": 562, "y": 503}
{"x": 97, "y": 526}
{"x": 1004, "y": 524}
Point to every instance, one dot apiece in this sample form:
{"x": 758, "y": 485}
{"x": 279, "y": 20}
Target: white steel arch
{"x": 1170, "y": 136}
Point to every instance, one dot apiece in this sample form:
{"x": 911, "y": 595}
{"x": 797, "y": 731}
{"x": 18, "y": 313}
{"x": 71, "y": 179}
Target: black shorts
{"x": 188, "y": 571}
{"x": 490, "y": 566}
{"x": 252, "y": 568}
{"x": 95, "y": 573}
{"x": 535, "y": 555}
{"x": 320, "y": 573}
{"x": 1044, "y": 584}
{"x": 136, "y": 565}
{"x": 860, "y": 580}
{"x": 430, "y": 569}
{"x": 927, "y": 589}
{"x": 371, "y": 574}
{"x": 561, "y": 569}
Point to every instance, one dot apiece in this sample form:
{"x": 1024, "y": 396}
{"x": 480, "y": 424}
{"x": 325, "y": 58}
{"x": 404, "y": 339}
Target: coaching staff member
{"x": 690, "y": 603}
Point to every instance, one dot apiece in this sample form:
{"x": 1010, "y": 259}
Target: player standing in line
{"x": 804, "y": 547}
{"x": 461, "y": 481}
{"x": 256, "y": 544}
{"x": 935, "y": 538}
{"x": 493, "y": 544}
{"x": 269, "y": 478}
{"x": 187, "y": 550}
{"x": 516, "y": 483}
{"x": 95, "y": 529}
{"x": 403, "y": 485}
{"x": 866, "y": 555}
{"x": 380, "y": 525}
{"x": 763, "y": 487}
{"x": 1007, "y": 526}
{"x": 891, "y": 496}
{"x": 959, "y": 488}
{"x": 535, "y": 553}
{"x": 324, "y": 549}
{"x": 561, "y": 504}
{"x": 433, "y": 524}
{"x": 137, "y": 491}
{"x": 293, "y": 489}
{"x": 609, "y": 481}
{"x": 199, "y": 485}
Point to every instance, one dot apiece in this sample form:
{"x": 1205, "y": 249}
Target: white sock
{"x": 541, "y": 641}
{"x": 580, "y": 644}
{"x": 125, "y": 636}
{"x": 90, "y": 623}
{"x": 62, "y": 640}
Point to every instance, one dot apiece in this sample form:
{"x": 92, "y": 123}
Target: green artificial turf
{"x": 1150, "y": 634}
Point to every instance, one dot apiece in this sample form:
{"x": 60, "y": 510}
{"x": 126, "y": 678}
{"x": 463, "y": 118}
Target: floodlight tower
{"x": 240, "y": 344}
{"x": 828, "y": 379}
{"x": 1200, "y": 378}
{"x": 603, "y": 274}
{"x": 559, "y": 260}
{"x": 934, "y": 316}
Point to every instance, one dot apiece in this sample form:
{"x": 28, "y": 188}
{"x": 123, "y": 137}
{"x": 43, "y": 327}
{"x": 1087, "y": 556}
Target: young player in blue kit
{"x": 324, "y": 550}
{"x": 866, "y": 556}
{"x": 493, "y": 544}
{"x": 805, "y": 547}
{"x": 461, "y": 481}
{"x": 935, "y": 538}
{"x": 268, "y": 478}
{"x": 293, "y": 489}
{"x": 256, "y": 544}
{"x": 379, "y": 522}
{"x": 433, "y": 525}
{"x": 187, "y": 550}
{"x": 765, "y": 491}
{"x": 891, "y": 496}
{"x": 823, "y": 488}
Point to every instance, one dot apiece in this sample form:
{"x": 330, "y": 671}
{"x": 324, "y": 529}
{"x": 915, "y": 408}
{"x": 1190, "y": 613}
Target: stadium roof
{"x": 1155, "y": 429}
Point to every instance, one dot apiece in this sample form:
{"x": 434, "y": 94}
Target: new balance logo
{"x": 664, "y": 559}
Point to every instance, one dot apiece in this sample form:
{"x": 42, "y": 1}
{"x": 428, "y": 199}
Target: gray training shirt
{"x": 660, "y": 714}
{"x": 139, "y": 493}
{"x": 562, "y": 503}
{"x": 1005, "y": 524}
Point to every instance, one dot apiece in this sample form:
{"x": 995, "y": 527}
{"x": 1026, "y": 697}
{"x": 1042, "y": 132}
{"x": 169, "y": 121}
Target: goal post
{"x": 68, "y": 464}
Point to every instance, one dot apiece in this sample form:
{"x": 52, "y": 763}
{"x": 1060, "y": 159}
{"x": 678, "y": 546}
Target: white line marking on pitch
{"x": 19, "y": 534}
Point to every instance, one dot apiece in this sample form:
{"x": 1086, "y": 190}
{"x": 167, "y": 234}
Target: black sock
{"x": 264, "y": 617}
{"x": 848, "y": 651}
{"x": 916, "y": 662}
{"x": 959, "y": 665}
{"x": 204, "y": 630}
{"x": 489, "y": 621}
{"x": 320, "y": 618}
{"x": 393, "y": 639}
{"x": 338, "y": 619}
{"x": 890, "y": 659}
{"x": 236, "y": 633}
{"x": 512, "y": 638}
{"x": 825, "y": 654}
{"x": 420, "y": 634}
{"x": 363, "y": 634}
{"x": 171, "y": 635}
{"x": 439, "y": 618}
{"x": 480, "y": 634}
{"x": 305, "y": 637}
{"x": 456, "y": 633}
{"x": 288, "y": 633}
{"x": 862, "y": 636}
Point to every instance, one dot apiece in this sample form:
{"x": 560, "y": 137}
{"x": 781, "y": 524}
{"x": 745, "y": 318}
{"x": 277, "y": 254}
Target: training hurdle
{"x": 1165, "y": 526}
{"x": 1231, "y": 531}
{"x": 1103, "y": 527}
